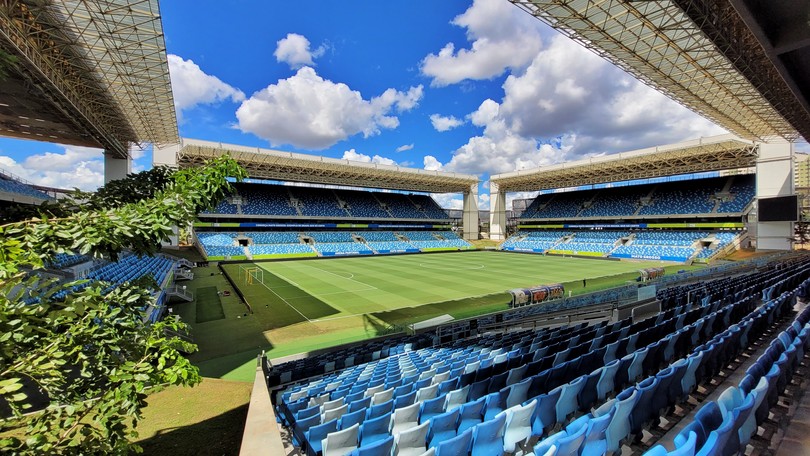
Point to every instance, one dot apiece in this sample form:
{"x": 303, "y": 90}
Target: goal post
{"x": 251, "y": 274}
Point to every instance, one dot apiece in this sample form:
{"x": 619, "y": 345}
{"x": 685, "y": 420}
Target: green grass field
{"x": 306, "y": 305}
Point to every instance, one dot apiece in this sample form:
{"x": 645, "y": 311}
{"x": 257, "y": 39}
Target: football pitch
{"x": 327, "y": 289}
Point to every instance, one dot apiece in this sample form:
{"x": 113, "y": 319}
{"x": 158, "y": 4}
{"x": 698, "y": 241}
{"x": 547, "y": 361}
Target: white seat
{"x": 382, "y": 396}
{"x": 438, "y": 378}
{"x": 472, "y": 367}
{"x": 342, "y": 442}
{"x": 331, "y": 414}
{"x": 411, "y": 442}
{"x": 456, "y": 398}
{"x": 374, "y": 390}
{"x": 331, "y": 404}
{"x": 405, "y": 418}
{"x": 518, "y": 425}
{"x": 428, "y": 392}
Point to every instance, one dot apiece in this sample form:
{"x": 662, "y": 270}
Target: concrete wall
{"x": 774, "y": 178}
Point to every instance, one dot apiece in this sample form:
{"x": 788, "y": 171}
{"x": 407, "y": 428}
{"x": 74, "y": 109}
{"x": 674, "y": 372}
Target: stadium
{"x": 636, "y": 302}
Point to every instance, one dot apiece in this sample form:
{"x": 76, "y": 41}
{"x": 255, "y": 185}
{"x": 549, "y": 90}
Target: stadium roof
{"x": 706, "y": 154}
{"x": 288, "y": 166}
{"x": 744, "y": 64}
{"x": 87, "y": 72}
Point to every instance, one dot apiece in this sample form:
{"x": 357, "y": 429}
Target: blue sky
{"x": 477, "y": 87}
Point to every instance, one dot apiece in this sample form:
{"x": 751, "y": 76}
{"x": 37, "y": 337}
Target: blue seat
{"x": 663, "y": 398}
{"x": 363, "y": 403}
{"x": 457, "y": 446}
{"x": 571, "y": 443}
{"x": 605, "y": 385}
{"x": 689, "y": 378}
{"x": 488, "y": 437}
{"x": 380, "y": 409}
{"x": 316, "y": 434}
{"x": 545, "y": 415}
{"x": 740, "y": 414}
{"x": 686, "y": 448}
{"x": 635, "y": 370}
{"x": 643, "y": 411}
{"x": 771, "y": 395}
{"x": 548, "y": 445}
{"x": 405, "y": 400}
{"x": 495, "y": 404}
{"x": 375, "y": 429}
{"x": 349, "y": 419}
{"x": 472, "y": 413}
{"x": 717, "y": 438}
{"x": 568, "y": 402}
{"x": 443, "y": 427}
{"x": 595, "y": 443}
{"x": 379, "y": 448}
{"x": 587, "y": 395}
{"x": 431, "y": 408}
{"x": 518, "y": 393}
{"x": 307, "y": 412}
{"x": 479, "y": 389}
{"x": 749, "y": 426}
{"x": 619, "y": 427}
{"x": 301, "y": 426}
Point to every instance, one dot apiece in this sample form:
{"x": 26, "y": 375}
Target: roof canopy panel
{"x": 706, "y": 154}
{"x": 97, "y": 68}
{"x": 288, "y": 166}
{"x": 697, "y": 52}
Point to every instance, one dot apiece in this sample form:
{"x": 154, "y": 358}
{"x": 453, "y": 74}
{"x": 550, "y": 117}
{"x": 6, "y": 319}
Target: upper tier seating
{"x": 12, "y": 186}
{"x": 362, "y": 204}
{"x": 400, "y": 206}
{"x": 64, "y": 260}
{"x": 319, "y": 202}
{"x": 429, "y": 207}
{"x": 616, "y": 201}
{"x": 683, "y": 198}
{"x": 259, "y": 199}
{"x": 742, "y": 192}
{"x": 128, "y": 268}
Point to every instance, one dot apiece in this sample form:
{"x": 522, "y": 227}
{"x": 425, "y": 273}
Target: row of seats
{"x": 13, "y": 186}
{"x": 66, "y": 260}
{"x": 129, "y": 267}
{"x": 671, "y": 198}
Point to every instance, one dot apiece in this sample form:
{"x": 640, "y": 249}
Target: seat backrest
{"x": 518, "y": 425}
{"x": 456, "y": 398}
{"x": 458, "y": 445}
{"x": 341, "y": 442}
{"x": 414, "y": 438}
{"x": 381, "y": 447}
{"x": 488, "y": 436}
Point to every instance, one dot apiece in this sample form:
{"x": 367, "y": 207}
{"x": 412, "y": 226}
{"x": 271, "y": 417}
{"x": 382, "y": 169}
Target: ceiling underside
{"x": 711, "y": 154}
{"x": 703, "y": 54}
{"x": 86, "y": 72}
{"x": 286, "y": 166}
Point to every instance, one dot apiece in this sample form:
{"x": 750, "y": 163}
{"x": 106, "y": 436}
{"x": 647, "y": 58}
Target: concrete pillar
{"x": 165, "y": 155}
{"x": 116, "y": 168}
{"x": 497, "y": 213}
{"x": 470, "y": 217}
{"x": 774, "y": 178}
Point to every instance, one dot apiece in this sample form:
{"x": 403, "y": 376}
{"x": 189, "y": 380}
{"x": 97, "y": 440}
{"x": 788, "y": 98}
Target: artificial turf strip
{"x": 209, "y": 306}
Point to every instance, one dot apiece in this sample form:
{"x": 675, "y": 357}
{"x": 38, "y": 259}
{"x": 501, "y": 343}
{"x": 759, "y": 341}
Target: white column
{"x": 774, "y": 178}
{"x": 116, "y": 168}
{"x": 497, "y": 213}
{"x": 470, "y": 217}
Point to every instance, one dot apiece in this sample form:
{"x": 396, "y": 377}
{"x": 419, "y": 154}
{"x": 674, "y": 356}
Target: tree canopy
{"x": 89, "y": 358}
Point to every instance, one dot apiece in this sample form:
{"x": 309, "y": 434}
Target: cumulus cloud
{"x": 191, "y": 86}
{"x": 449, "y": 200}
{"x": 310, "y": 112}
{"x": 294, "y": 51}
{"x": 442, "y": 123}
{"x": 430, "y": 163}
{"x": 502, "y": 37}
{"x": 353, "y": 155}
{"x": 405, "y": 147}
{"x": 73, "y": 167}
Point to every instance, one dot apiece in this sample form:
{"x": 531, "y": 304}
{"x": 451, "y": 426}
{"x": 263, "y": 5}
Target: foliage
{"x": 801, "y": 231}
{"x": 89, "y": 359}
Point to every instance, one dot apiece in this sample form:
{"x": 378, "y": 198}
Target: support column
{"x": 116, "y": 168}
{"x": 774, "y": 178}
{"x": 470, "y": 217}
{"x": 497, "y": 212}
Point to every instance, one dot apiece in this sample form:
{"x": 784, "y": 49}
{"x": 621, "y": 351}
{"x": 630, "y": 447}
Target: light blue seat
{"x": 488, "y": 436}
{"x": 457, "y": 446}
{"x": 545, "y": 414}
{"x": 518, "y": 393}
{"x": 380, "y": 409}
{"x": 349, "y": 419}
{"x": 605, "y": 385}
{"x": 571, "y": 443}
{"x": 549, "y": 444}
{"x": 619, "y": 427}
{"x": 405, "y": 400}
{"x": 595, "y": 443}
{"x": 740, "y": 414}
{"x": 443, "y": 427}
{"x": 688, "y": 381}
{"x": 567, "y": 404}
{"x": 686, "y": 448}
{"x": 301, "y": 426}
{"x": 749, "y": 426}
{"x": 717, "y": 438}
{"x": 635, "y": 371}
{"x": 496, "y": 403}
{"x": 379, "y": 448}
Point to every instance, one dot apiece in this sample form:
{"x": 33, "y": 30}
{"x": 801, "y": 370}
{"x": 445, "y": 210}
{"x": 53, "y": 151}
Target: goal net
{"x": 250, "y": 275}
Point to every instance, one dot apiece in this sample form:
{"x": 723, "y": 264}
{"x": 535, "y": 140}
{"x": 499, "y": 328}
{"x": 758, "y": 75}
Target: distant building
{"x": 801, "y": 175}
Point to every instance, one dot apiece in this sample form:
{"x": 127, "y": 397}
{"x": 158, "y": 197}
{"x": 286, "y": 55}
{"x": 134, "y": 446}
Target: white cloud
{"x": 430, "y": 163}
{"x": 405, "y": 147}
{"x": 353, "y": 155}
{"x": 294, "y": 51}
{"x": 442, "y": 123}
{"x": 502, "y": 36}
{"x": 483, "y": 201}
{"x": 191, "y": 86}
{"x": 310, "y": 112}
{"x": 449, "y": 200}
{"x": 74, "y": 167}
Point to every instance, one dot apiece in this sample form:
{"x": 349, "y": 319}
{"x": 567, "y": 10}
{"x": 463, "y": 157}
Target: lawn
{"x": 308, "y": 305}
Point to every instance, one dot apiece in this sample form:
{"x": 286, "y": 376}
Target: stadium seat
{"x": 472, "y": 413}
{"x": 411, "y": 442}
{"x": 443, "y": 427}
{"x": 405, "y": 418}
{"x": 374, "y": 429}
{"x": 382, "y": 447}
{"x": 459, "y": 445}
{"x": 342, "y": 442}
{"x": 518, "y": 425}
{"x": 316, "y": 434}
